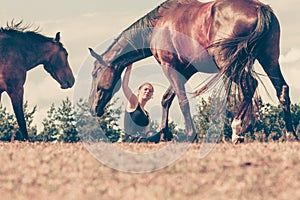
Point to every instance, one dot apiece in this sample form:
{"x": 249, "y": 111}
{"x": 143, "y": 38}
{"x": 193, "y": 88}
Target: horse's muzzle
{"x": 67, "y": 84}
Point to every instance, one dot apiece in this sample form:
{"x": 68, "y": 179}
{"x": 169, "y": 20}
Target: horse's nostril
{"x": 64, "y": 86}
{"x": 72, "y": 82}
{"x": 68, "y": 84}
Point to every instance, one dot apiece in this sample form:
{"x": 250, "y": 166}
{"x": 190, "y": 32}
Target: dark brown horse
{"x": 187, "y": 36}
{"x": 22, "y": 50}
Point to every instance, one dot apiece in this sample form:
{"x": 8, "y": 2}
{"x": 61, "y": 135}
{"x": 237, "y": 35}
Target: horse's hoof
{"x": 167, "y": 136}
{"x": 237, "y": 139}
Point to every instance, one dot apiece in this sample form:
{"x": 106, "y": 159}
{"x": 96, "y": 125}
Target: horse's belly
{"x": 205, "y": 64}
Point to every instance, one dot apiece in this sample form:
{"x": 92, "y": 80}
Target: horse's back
{"x": 210, "y": 21}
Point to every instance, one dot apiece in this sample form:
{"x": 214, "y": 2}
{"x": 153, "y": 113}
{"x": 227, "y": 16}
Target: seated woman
{"x": 137, "y": 119}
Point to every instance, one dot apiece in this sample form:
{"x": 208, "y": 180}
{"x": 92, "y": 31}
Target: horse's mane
{"x": 150, "y": 18}
{"x": 19, "y": 29}
{"x": 140, "y": 30}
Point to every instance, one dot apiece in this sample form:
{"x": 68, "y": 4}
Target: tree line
{"x": 73, "y": 123}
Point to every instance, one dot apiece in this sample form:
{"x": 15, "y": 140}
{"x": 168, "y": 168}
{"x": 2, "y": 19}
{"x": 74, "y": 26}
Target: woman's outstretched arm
{"x": 131, "y": 97}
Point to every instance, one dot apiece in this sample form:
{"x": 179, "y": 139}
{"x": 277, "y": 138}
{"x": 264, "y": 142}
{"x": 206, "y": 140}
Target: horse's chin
{"x": 67, "y": 84}
{"x": 64, "y": 87}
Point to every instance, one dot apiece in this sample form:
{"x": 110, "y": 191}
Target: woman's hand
{"x": 128, "y": 68}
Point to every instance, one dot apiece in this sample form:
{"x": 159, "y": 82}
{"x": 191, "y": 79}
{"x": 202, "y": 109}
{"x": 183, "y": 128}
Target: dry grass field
{"x": 69, "y": 171}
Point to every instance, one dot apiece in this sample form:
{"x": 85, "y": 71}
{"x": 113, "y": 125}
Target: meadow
{"x": 69, "y": 171}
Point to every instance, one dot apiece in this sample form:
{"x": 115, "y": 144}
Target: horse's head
{"x": 57, "y": 64}
{"x": 105, "y": 83}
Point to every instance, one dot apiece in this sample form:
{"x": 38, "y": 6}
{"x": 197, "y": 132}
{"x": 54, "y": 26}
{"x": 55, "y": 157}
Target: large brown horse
{"x": 225, "y": 36}
{"x": 22, "y": 50}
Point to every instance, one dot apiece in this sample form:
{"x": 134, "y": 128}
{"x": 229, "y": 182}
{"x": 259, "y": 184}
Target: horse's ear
{"x": 57, "y": 37}
{"x": 98, "y": 57}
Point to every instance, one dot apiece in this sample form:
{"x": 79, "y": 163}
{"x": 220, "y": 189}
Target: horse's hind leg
{"x": 268, "y": 58}
{"x": 282, "y": 89}
{"x": 166, "y": 102}
{"x": 242, "y": 119}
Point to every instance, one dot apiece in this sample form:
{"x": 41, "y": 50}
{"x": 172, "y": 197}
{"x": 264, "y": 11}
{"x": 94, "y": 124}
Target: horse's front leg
{"x": 16, "y": 97}
{"x": 185, "y": 109}
{"x": 177, "y": 81}
{"x": 166, "y": 102}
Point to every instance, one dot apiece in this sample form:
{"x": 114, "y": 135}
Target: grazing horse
{"x": 231, "y": 34}
{"x": 22, "y": 50}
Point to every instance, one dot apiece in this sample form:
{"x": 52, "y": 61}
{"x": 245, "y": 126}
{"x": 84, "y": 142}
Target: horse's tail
{"x": 239, "y": 54}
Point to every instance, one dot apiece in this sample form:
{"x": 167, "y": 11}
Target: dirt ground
{"x": 69, "y": 171}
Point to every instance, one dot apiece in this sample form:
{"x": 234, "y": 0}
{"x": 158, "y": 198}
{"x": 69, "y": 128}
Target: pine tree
{"x": 29, "y": 117}
{"x": 66, "y": 118}
{"x": 109, "y": 121}
{"x": 7, "y": 122}
{"x": 88, "y": 128}
{"x": 105, "y": 128}
{"x": 12, "y": 131}
{"x": 50, "y": 131}
{"x": 202, "y": 118}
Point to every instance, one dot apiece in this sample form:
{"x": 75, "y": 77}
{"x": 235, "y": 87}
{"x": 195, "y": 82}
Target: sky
{"x": 92, "y": 23}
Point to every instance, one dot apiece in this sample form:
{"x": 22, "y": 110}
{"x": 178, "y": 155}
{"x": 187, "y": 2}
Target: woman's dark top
{"x": 136, "y": 123}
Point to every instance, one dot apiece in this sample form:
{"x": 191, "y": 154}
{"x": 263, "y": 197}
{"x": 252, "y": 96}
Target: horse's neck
{"x": 123, "y": 53}
{"x": 34, "y": 60}
{"x": 133, "y": 44}
{"x": 34, "y": 52}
